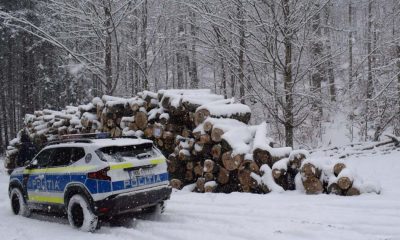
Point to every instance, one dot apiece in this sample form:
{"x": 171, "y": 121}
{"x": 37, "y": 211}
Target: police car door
{"x": 34, "y": 177}
{"x": 58, "y": 174}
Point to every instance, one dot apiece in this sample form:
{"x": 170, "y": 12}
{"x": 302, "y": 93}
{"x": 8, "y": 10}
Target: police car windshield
{"x": 126, "y": 153}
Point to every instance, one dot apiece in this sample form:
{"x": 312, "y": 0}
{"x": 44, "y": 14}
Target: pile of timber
{"x": 209, "y": 145}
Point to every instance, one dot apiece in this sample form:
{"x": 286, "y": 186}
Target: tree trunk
{"x": 241, "y": 49}
{"x": 369, "y": 86}
{"x": 350, "y": 40}
{"x": 179, "y": 55}
{"x": 329, "y": 62}
{"x": 396, "y": 34}
{"x": 287, "y": 78}
{"x": 108, "y": 51}
{"x": 144, "y": 45}
{"x": 194, "y": 83}
{"x": 4, "y": 113}
{"x": 316, "y": 52}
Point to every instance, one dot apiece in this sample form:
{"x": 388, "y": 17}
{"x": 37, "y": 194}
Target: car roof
{"x": 99, "y": 143}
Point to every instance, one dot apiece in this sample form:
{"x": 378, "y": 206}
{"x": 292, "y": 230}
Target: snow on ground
{"x": 288, "y": 215}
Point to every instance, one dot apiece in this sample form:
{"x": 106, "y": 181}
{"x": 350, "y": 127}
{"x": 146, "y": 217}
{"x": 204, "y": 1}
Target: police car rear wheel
{"x": 80, "y": 215}
{"x": 18, "y": 204}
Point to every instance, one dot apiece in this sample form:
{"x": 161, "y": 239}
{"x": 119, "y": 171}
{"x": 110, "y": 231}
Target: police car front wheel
{"x": 80, "y": 215}
{"x": 18, "y": 204}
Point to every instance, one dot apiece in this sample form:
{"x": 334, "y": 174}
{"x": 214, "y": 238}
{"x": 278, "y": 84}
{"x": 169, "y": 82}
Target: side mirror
{"x": 32, "y": 164}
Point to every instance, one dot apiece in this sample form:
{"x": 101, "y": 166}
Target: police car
{"x": 92, "y": 179}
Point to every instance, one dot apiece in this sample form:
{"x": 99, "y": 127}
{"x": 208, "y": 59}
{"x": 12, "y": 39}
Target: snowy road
{"x": 289, "y": 215}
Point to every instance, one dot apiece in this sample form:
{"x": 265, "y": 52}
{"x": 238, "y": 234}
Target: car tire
{"x": 18, "y": 203}
{"x": 80, "y": 214}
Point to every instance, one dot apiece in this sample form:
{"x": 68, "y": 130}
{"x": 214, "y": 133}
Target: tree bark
{"x": 329, "y": 62}
{"x": 287, "y": 78}
{"x": 108, "y": 51}
{"x": 144, "y": 45}
{"x": 179, "y": 56}
{"x": 241, "y": 49}
{"x": 350, "y": 41}
{"x": 194, "y": 83}
{"x": 317, "y": 74}
{"x": 369, "y": 87}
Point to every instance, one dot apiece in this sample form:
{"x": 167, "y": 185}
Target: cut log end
{"x": 313, "y": 185}
{"x": 216, "y": 134}
{"x": 344, "y": 183}
{"x": 338, "y": 168}
{"x": 176, "y": 183}
{"x": 353, "y": 192}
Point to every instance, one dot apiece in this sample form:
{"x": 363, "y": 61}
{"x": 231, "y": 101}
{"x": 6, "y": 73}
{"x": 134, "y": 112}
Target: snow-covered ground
{"x": 289, "y": 215}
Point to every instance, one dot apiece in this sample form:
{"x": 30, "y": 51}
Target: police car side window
{"x": 77, "y": 154}
{"x": 61, "y": 157}
{"x": 43, "y": 159}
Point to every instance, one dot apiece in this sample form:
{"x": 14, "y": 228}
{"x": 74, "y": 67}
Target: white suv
{"x": 91, "y": 179}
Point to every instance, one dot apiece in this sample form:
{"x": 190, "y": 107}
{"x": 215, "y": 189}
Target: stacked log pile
{"x": 207, "y": 140}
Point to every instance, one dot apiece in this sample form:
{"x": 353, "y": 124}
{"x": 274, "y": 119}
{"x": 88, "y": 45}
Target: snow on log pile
{"x": 206, "y": 139}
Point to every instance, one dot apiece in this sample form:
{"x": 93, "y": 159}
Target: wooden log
{"x": 245, "y": 180}
{"x": 133, "y": 126}
{"x": 186, "y": 133}
{"x": 231, "y": 163}
{"x": 312, "y": 185}
{"x": 197, "y": 149}
{"x": 173, "y": 127}
{"x": 207, "y": 126}
{"x": 189, "y": 106}
{"x": 223, "y": 176}
{"x": 283, "y": 179}
{"x": 197, "y": 135}
{"x": 160, "y": 142}
{"x": 163, "y": 119}
{"x": 200, "y": 116}
{"x": 148, "y": 131}
{"x": 296, "y": 161}
{"x": 210, "y": 186}
{"x": 344, "y": 183}
{"x": 309, "y": 170}
{"x": 141, "y": 120}
{"x": 116, "y": 132}
{"x": 353, "y": 192}
{"x": 172, "y": 163}
{"x": 158, "y": 131}
{"x": 168, "y": 137}
{"x": 338, "y": 168}
{"x": 205, "y": 139}
{"x": 225, "y": 146}
{"x": 278, "y": 173}
{"x": 208, "y": 177}
{"x": 244, "y": 175}
{"x": 198, "y": 169}
{"x": 189, "y": 176}
{"x": 216, "y": 152}
{"x": 191, "y": 143}
{"x": 165, "y": 102}
{"x": 334, "y": 189}
{"x": 200, "y": 184}
{"x": 135, "y": 107}
{"x": 189, "y": 165}
{"x": 208, "y": 166}
{"x": 233, "y": 111}
{"x": 216, "y": 134}
{"x": 184, "y": 155}
{"x": 261, "y": 157}
{"x": 176, "y": 183}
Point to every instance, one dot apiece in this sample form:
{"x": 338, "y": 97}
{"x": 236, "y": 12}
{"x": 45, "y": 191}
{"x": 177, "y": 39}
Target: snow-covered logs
{"x": 206, "y": 139}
